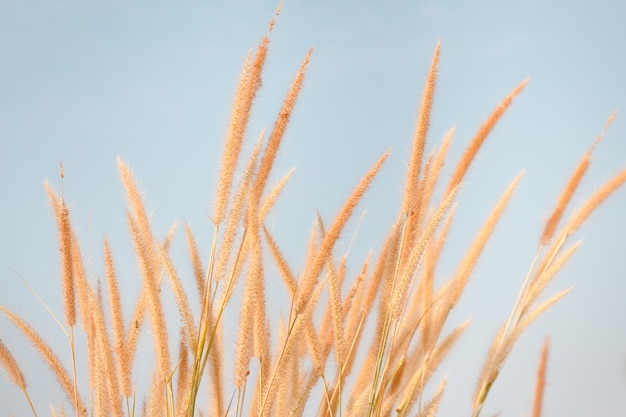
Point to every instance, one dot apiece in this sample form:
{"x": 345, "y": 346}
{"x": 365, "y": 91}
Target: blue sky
{"x": 153, "y": 82}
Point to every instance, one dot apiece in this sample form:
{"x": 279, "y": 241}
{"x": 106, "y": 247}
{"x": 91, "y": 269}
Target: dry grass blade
{"x": 299, "y": 324}
{"x": 153, "y": 301}
{"x": 502, "y": 346}
{"x": 138, "y": 210}
{"x": 65, "y": 238}
{"x": 414, "y": 387}
{"x": 117, "y": 318}
{"x": 278, "y": 131}
{"x": 595, "y": 200}
{"x": 565, "y": 198}
{"x": 11, "y": 367}
{"x": 196, "y": 263}
{"x": 432, "y": 178}
{"x": 181, "y": 297}
{"x": 430, "y": 408}
{"x": 281, "y": 263}
{"x": 237, "y": 212}
{"x": 419, "y": 140}
{"x": 407, "y": 274}
{"x": 272, "y": 196}
{"x": 540, "y": 386}
{"x": 481, "y": 135}
{"x": 537, "y": 286}
{"x": 249, "y": 85}
{"x": 15, "y": 373}
{"x": 109, "y": 396}
{"x": 570, "y": 188}
{"x": 49, "y": 357}
{"x": 474, "y": 251}
{"x": 328, "y": 242}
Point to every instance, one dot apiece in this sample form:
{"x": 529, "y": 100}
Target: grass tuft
{"x": 364, "y": 344}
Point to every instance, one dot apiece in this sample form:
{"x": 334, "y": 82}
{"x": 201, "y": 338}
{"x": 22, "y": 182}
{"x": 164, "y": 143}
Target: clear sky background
{"x": 153, "y": 83}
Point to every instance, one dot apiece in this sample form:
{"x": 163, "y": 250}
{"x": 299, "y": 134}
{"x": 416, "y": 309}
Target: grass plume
{"x": 343, "y": 343}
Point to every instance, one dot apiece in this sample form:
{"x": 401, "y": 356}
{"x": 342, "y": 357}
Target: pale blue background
{"x": 153, "y": 83}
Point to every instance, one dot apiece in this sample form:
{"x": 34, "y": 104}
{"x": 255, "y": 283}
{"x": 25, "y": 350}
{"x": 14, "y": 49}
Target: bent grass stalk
{"x": 369, "y": 348}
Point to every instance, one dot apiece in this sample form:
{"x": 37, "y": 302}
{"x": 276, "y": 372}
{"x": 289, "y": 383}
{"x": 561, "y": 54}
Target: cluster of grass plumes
{"x": 390, "y": 316}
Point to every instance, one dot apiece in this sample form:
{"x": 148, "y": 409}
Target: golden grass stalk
{"x": 259, "y": 318}
{"x": 215, "y": 358}
{"x": 335, "y": 307}
{"x": 564, "y": 199}
{"x": 246, "y": 90}
{"x": 570, "y": 188}
{"x": 430, "y": 408}
{"x": 134, "y": 326}
{"x": 432, "y": 178}
{"x": 593, "y": 202}
{"x": 183, "y": 375}
{"x": 63, "y": 223}
{"x": 67, "y": 267}
{"x": 329, "y": 240}
{"x": 283, "y": 267}
{"x": 49, "y": 357}
{"x": 153, "y": 301}
{"x": 110, "y": 396}
{"x": 15, "y": 373}
{"x": 117, "y": 318}
{"x": 196, "y": 263}
{"x": 419, "y": 139}
{"x": 474, "y": 251}
{"x": 253, "y": 294}
{"x": 54, "y": 413}
{"x": 181, "y": 297}
{"x": 273, "y": 195}
{"x": 474, "y": 146}
{"x": 407, "y": 272}
{"x": 82, "y": 286}
{"x": 540, "y": 385}
{"x": 298, "y": 325}
{"x": 536, "y": 288}
{"x": 278, "y": 131}
{"x": 427, "y": 325}
{"x": 11, "y": 367}
{"x": 501, "y": 348}
{"x": 138, "y": 210}
{"x": 414, "y": 386}
{"x": 236, "y": 214}
{"x": 249, "y": 85}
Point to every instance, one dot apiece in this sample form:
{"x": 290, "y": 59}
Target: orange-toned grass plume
{"x": 570, "y": 188}
{"x": 15, "y": 373}
{"x": 236, "y": 214}
{"x": 469, "y": 261}
{"x": 153, "y": 301}
{"x": 196, "y": 263}
{"x": 540, "y": 385}
{"x": 592, "y": 203}
{"x": 51, "y": 359}
{"x": 414, "y": 259}
{"x": 419, "y": 138}
{"x": 117, "y": 318}
{"x": 565, "y": 198}
{"x": 63, "y": 223}
{"x": 313, "y": 271}
{"x": 278, "y": 131}
{"x": 10, "y": 365}
{"x": 481, "y": 135}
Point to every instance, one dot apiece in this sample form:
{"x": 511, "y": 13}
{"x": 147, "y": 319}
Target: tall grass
{"x": 364, "y": 345}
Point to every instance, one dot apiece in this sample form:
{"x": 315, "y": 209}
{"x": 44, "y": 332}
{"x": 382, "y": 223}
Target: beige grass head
{"x": 352, "y": 345}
